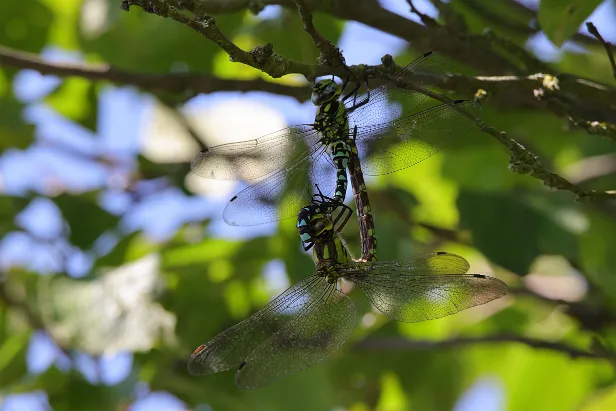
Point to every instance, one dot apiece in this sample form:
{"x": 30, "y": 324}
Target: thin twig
{"x": 521, "y": 160}
{"x": 176, "y": 83}
{"x": 606, "y": 44}
{"x": 404, "y": 344}
{"x": 330, "y": 54}
{"x": 425, "y": 19}
{"x": 261, "y": 57}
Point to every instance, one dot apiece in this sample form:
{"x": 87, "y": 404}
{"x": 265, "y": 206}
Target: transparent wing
{"x": 427, "y": 287}
{"x": 283, "y": 193}
{"x": 297, "y": 329}
{"x": 390, "y": 137}
{"x": 381, "y": 108}
{"x": 228, "y": 349}
{"x": 322, "y": 324}
{"x": 393, "y": 146}
{"x": 252, "y": 158}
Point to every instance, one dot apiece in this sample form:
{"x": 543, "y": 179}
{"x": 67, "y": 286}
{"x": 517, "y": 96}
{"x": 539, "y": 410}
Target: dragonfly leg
{"x": 365, "y": 101}
{"x": 353, "y": 92}
{"x": 347, "y": 212}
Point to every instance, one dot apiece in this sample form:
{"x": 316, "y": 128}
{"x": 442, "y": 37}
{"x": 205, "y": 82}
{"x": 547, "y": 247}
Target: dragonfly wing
{"x": 384, "y": 104}
{"x": 320, "y": 322}
{"x": 252, "y": 158}
{"x": 282, "y": 194}
{"x": 386, "y": 148}
{"x": 228, "y": 349}
{"x": 428, "y": 287}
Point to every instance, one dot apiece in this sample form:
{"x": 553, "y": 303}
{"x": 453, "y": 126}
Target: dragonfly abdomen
{"x": 340, "y": 152}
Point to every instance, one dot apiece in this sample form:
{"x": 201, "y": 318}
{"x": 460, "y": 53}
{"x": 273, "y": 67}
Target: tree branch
{"x": 404, "y": 344}
{"x": 261, "y": 57}
{"x": 521, "y": 161}
{"x": 593, "y": 112}
{"x": 330, "y": 54}
{"x": 172, "y": 83}
{"x": 606, "y": 44}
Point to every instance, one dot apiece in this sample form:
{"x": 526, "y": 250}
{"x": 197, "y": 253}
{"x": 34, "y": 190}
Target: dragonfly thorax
{"x": 332, "y": 122}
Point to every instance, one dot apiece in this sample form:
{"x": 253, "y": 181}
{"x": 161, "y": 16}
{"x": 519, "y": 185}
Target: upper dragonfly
{"x": 291, "y": 161}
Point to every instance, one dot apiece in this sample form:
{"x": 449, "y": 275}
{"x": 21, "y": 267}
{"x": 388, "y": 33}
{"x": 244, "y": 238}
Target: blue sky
{"x": 121, "y": 118}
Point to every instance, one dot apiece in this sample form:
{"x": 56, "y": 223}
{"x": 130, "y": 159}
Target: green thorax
{"x": 332, "y": 122}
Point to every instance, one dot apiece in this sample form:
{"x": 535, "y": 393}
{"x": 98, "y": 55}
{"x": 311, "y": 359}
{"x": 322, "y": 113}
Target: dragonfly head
{"x": 324, "y": 91}
{"x": 312, "y": 226}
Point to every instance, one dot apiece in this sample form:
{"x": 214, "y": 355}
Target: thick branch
{"x": 172, "y": 83}
{"x": 404, "y": 344}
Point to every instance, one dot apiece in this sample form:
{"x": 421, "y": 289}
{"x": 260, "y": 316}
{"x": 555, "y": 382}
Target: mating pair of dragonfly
{"x": 314, "y": 318}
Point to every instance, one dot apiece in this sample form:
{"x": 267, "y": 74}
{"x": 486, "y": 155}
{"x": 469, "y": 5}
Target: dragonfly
{"x": 316, "y": 218}
{"x": 314, "y": 318}
{"x": 381, "y": 124}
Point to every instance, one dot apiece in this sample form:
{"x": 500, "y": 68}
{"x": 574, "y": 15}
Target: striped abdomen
{"x": 364, "y": 212}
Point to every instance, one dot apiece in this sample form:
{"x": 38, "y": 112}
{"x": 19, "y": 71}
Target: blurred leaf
{"x": 76, "y": 99}
{"x": 9, "y": 208}
{"x": 14, "y": 131}
{"x": 502, "y": 17}
{"x": 115, "y": 312}
{"x": 597, "y": 252}
{"x": 13, "y": 358}
{"x": 605, "y": 400}
{"x": 551, "y": 380}
{"x": 560, "y": 19}
{"x": 87, "y": 221}
{"x": 205, "y": 251}
{"x": 129, "y": 248}
{"x": 76, "y": 393}
{"x": 290, "y": 40}
{"x": 64, "y": 30}
{"x": 25, "y": 24}
{"x": 163, "y": 43}
{"x": 511, "y": 233}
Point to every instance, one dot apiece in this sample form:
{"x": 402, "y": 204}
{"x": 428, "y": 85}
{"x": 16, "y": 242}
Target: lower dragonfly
{"x": 314, "y": 318}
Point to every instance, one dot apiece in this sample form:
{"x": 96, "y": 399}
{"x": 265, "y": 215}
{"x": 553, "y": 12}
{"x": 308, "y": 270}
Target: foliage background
{"x": 116, "y": 263}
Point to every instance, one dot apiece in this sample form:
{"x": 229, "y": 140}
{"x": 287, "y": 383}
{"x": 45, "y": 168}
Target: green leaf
{"x": 76, "y": 99}
{"x": 511, "y": 233}
{"x": 502, "y": 17}
{"x": 25, "y": 24}
{"x": 75, "y": 393}
{"x": 597, "y": 252}
{"x": 14, "y": 131}
{"x": 115, "y": 312}
{"x": 13, "y": 358}
{"x": 164, "y": 44}
{"x": 560, "y": 19}
{"x": 129, "y": 248}
{"x": 290, "y": 40}
{"x": 605, "y": 400}
{"x": 87, "y": 221}
{"x": 9, "y": 208}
